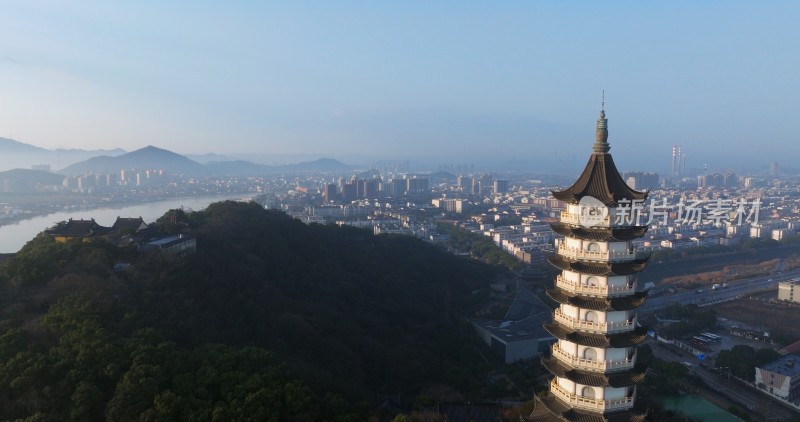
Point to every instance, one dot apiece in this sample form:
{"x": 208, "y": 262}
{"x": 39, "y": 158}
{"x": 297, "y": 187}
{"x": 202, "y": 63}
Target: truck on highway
{"x": 716, "y": 286}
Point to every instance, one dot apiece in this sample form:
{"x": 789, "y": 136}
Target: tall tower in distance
{"x": 674, "y": 171}
{"x": 678, "y": 162}
{"x": 594, "y": 358}
{"x": 683, "y": 164}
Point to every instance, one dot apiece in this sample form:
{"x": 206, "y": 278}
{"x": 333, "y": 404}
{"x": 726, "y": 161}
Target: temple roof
{"x": 626, "y": 339}
{"x": 599, "y": 268}
{"x": 598, "y": 303}
{"x": 80, "y": 228}
{"x": 600, "y": 179}
{"x": 603, "y": 234}
{"x": 594, "y": 379}
{"x": 133, "y": 224}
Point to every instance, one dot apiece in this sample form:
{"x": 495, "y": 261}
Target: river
{"x": 14, "y": 236}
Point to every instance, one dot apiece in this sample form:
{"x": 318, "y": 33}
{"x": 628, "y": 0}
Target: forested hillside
{"x": 270, "y": 319}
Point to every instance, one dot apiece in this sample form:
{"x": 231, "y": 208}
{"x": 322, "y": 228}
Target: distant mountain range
{"x": 15, "y": 154}
{"x": 12, "y": 146}
{"x": 152, "y": 157}
{"x": 32, "y": 177}
{"x": 207, "y": 158}
{"x": 19, "y": 155}
{"x": 148, "y": 157}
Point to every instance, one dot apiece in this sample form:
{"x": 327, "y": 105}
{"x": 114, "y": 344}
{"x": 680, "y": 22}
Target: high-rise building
{"x": 594, "y": 358}
{"x": 449, "y": 204}
{"x": 500, "y": 186}
{"x": 773, "y": 168}
{"x": 417, "y": 185}
{"x": 349, "y": 190}
{"x": 730, "y": 180}
{"x": 487, "y": 181}
{"x": 370, "y": 188}
{"x": 330, "y": 193}
{"x": 395, "y": 188}
{"x": 476, "y": 187}
{"x": 716, "y": 180}
{"x": 640, "y": 181}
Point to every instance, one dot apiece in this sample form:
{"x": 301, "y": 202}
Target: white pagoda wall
{"x": 584, "y": 245}
{"x": 597, "y": 280}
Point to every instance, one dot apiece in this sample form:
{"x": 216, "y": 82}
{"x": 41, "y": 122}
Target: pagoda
{"x": 594, "y": 357}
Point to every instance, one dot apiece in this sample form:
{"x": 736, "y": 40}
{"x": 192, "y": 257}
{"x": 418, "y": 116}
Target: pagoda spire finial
{"x": 601, "y": 135}
{"x": 603, "y": 102}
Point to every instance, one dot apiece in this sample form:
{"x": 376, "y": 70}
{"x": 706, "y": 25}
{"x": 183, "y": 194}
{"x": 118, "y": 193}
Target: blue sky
{"x": 450, "y": 81}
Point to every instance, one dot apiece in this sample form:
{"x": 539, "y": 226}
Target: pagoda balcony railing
{"x": 592, "y": 326}
{"x": 607, "y": 256}
{"x": 573, "y": 218}
{"x": 580, "y": 402}
{"x": 587, "y": 289}
{"x": 591, "y": 364}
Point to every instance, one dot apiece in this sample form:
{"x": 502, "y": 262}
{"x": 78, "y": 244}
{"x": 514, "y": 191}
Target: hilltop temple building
{"x": 594, "y": 358}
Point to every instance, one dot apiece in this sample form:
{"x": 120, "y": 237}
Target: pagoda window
{"x": 593, "y": 247}
{"x": 592, "y": 281}
{"x": 588, "y": 392}
{"x": 619, "y": 246}
{"x": 616, "y": 354}
{"x": 590, "y": 316}
{"x": 618, "y": 316}
{"x": 590, "y": 354}
{"x": 618, "y": 281}
{"x": 615, "y": 393}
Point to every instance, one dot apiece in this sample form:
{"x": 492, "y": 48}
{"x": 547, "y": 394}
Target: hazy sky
{"x": 405, "y": 79}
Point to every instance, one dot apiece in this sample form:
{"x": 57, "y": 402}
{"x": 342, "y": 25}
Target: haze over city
{"x": 446, "y": 81}
{"x": 399, "y": 212}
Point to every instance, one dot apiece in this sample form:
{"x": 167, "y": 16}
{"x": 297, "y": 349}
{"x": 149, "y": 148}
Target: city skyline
{"x": 448, "y": 82}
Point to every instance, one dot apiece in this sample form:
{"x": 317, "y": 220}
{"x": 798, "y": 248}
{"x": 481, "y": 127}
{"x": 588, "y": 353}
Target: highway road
{"x": 735, "y": 289}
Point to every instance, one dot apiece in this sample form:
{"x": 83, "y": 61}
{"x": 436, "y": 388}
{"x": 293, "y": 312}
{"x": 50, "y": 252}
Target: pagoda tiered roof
{"x": 594, "y": 379}
{"x": 600, "y": 180}
{"x": 624, "y": 303}
{"x": 626, "y": 339}
{"x": 599, "y": 268}
{"x": 602, "y": 234}
{"x": 562, "y": 411}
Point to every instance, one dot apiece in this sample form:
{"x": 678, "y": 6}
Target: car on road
{"x": 689, "y": 364}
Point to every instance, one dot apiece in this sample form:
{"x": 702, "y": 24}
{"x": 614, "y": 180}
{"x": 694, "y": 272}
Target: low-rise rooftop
{"x": 788, "y": 365}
